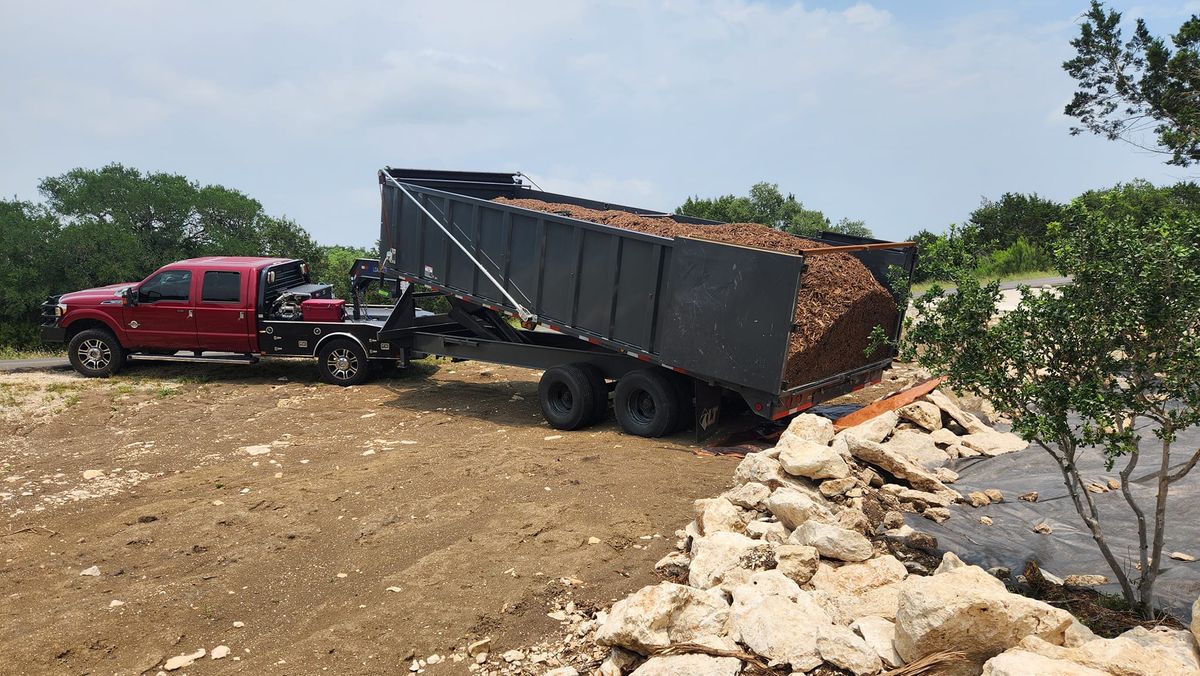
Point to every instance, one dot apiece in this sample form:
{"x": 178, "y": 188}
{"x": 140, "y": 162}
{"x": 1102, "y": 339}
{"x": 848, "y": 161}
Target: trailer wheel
{"x": 342, "y": 361}
{"x": 96, "y": 353}
{"x": 647, "y": 403}
{"x": 568, "y": 396}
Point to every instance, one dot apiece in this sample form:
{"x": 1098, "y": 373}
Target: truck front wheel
{"x": 342, "y": 361}
{"x": 96, "y": 353}
{"x": 647, "y": 403}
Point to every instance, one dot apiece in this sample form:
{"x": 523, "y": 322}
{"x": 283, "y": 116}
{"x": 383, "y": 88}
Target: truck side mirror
{"x": 129, "y": 296}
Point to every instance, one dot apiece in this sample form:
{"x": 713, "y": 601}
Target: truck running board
{"x": 230, "y": 359}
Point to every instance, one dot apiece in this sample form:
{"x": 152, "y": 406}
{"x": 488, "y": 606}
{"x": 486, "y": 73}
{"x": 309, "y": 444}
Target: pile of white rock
{"x": 805, "y": 565}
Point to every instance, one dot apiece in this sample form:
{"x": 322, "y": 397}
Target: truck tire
{"x": 342, "y": 361}
{"x": 647, "y": 403}
{"x": 570, "y": 396}
{"x": 96, "y": 353}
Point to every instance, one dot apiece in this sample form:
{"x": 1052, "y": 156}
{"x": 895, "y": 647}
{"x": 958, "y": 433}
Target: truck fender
{"x": 342, "y": 334}
{"x": 91, "y": 317}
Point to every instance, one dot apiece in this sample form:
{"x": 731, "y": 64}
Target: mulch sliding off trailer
{"x": 676, "y": 322}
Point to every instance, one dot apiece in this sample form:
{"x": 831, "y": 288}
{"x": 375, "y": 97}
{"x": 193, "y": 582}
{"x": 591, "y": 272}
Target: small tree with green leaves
{"x": 1101, "y": 365}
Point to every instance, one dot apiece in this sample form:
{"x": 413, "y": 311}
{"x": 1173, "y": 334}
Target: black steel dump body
{"x": 719, "y": 312}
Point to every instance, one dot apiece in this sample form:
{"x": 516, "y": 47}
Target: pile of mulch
{"x": 840, "y": 302}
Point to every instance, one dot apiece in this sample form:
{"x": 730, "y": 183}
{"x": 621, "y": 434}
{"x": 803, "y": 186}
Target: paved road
{"x": 1013, "y": 284}
{"x": 34, "y": 364}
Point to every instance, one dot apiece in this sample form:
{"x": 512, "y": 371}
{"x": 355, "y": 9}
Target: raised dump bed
{"x": 719, "y": 313}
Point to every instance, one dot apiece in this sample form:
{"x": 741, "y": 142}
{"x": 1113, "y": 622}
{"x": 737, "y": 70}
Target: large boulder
{"x": 811, "y": 460}
{"x": 716, "y": 555}
{"x": 797, "y": 562}
{"x": 918, "y": 447}
{"x": 1017, "y": 662}
{"x": 689, "y": 665}
{"x": 876, "y": 429}
{"x": 993, "y": 443}
{"x": 1137, "y": 652}
{"x": 895, "y": 463}
{"x": 764, "y": 468}
{"x": 750, "y": 495}
{"x": 879, "y": 633}
{"x": 833, "y": 542}
{"x": 783, "y": 629}
{"x": 793, "y": 507}
{"x": 665, "y": 614}
{"x": 969, "y": 610}
{"x": 854, "y": 578}
{"x": 923, "y": 414}
{"x": 811, "y": 427}
{"x": 846, "y": 650}
{"x": 968, "y": 421}
{"x": 718, "y": 514}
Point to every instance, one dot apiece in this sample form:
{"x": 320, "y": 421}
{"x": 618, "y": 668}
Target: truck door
{"x": 222, "y": 320}
{"x": 162, "y": 318}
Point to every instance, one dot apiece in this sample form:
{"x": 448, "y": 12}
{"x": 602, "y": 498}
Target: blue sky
{"x": 903, "y": 114}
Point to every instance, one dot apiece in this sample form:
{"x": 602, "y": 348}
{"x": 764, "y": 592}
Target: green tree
{"x": 1099, "y": 364}
{"x": 1002, "y": 222}
{"x": 767, "y": 205}
{"x": 1128, "y": 89}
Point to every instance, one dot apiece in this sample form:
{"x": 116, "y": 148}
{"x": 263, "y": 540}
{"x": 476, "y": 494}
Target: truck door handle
{"x": 241, "y": 315}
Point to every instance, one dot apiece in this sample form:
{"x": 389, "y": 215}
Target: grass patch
{"x": 8, "y": 352}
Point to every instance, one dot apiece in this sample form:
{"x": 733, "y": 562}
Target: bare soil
{"x": 839, "y": 303}
{"x": 257, "y": 495}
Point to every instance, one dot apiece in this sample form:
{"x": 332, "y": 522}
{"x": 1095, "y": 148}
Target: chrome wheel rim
{"x": 94, "y": 354}
{"x": 343, "y": 364}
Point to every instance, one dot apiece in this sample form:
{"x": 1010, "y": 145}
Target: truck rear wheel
{"x": 573, "y": 396}
{"x": 96, "y": 353}
{"x": 647, "y": 403}
{"x": 342, "y": 361}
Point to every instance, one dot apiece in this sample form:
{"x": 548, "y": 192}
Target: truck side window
{"x": 166, "y": 285}
{"x": 221, "y": 287}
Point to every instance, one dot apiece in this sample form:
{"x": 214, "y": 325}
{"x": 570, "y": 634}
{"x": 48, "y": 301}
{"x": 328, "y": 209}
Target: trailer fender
{"x": 339, "y": 334}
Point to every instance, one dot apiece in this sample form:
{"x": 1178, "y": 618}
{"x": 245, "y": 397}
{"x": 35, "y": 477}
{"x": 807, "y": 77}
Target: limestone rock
{"x": 1018, "y": 662}
{"x": 797, "y": 562}
{"x": 1085, "y": 580}
{"x": 689, "y": 665}
{"x": 844, "y": 608}
{"x": 846, "y": 650}
{"x": 978, "y": 499}
{"x": 880, "y": 634}
{"x": 855, "y": 520}
{"x": 765, "y": 582}
{"x": 993, "y": 443}
{"x": 968, "y": 421}
{"x": 944, "y": 437}
{"x": 1031, "y": 496}
{"x": 936, "y": 514}
{"x": 718, "y": 514}
{"x": 771, "y": 531}
{"x": 917, "y": 447}
{"x": 1174, "y": 648}
{"x": 812, "y": 460}
{"x": 896, "y": 464}
{"x": 749, "y": 495}
{"x": 1137, "y": 652}
{"x": 673, "y": 565}
{"x": 715, "y": 555}
{"x": 833, "y": 542}
{"x": 1077, "y": 634}
{"x": 764, "y": 468}
{"x": 945, "y": 475}
{"x": 810, "y": 427}
{"x": 794, "y": 507}
{"x": 664, "y": 614}
{"x": 874, "y": 430}
{"x": 186, "y": 660}
{"x": 950, "y": 561}
{"x": 781, "y": 629}
{"x": 923, "y": 414}
{"x": 994, "y": 495}
{"x": 618, "y": 661}
{"x": 972, "y": 611}
{"x": 835, "y": 487}
{"x": 943, "y": 498}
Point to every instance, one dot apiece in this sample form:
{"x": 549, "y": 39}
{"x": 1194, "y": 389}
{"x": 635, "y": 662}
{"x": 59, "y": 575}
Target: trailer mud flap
{"x": 708, "y": 409}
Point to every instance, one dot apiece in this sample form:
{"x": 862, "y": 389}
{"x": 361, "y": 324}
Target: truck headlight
{"x": 60, "y": 309}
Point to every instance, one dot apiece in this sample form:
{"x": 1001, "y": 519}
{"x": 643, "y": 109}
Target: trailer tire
{"x": 647, "y": 403}
{"x": 342, "y": 361}
{"x": 567, "y": 395}
{"x": 96, "y": 353}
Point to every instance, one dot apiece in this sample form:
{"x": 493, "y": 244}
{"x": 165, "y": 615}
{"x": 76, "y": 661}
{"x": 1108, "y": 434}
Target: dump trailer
{"x": 670, "y": 327}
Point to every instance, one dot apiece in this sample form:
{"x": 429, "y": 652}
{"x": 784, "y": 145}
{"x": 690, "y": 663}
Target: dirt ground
{"x": 345, "y": 529}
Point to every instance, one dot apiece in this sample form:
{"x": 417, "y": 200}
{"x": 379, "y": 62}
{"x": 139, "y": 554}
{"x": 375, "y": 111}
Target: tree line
{"x": 117, "y": 224}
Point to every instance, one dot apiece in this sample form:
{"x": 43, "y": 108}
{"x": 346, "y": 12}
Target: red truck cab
{"x": 199, "y": 304}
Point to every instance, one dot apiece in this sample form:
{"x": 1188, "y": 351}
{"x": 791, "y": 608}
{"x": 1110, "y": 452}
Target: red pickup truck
{"x": 220, "y": 309}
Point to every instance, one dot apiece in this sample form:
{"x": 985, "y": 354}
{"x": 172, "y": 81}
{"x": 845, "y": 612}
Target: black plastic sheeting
{"x": 1070, "y": 549}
